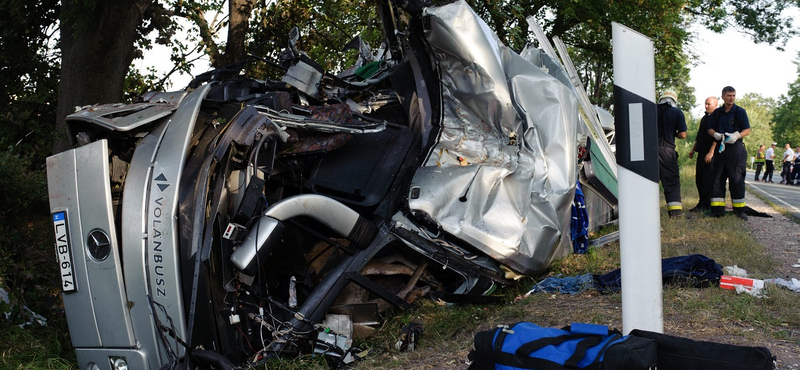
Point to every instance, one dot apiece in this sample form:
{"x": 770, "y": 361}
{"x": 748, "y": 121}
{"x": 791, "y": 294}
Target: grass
{"x": 31, "y": 348}
{"x": 710, "y": 313}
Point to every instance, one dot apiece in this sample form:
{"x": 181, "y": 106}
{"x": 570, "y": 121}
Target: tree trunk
{"x": 239, "y": 12}
{"x": 97, "y": 48}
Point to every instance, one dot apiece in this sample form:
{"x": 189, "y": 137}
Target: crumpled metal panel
{"x": 502, "y": 174}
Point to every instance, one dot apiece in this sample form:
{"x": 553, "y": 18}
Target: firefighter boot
{"x": 741, "y": 213}
{"x": 717, "y": 211}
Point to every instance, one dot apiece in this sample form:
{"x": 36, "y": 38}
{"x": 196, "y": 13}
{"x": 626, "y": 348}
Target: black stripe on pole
{"x": 645, "y": 165}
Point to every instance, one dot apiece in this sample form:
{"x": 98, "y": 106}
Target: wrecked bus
{"x": 236, "y": 219}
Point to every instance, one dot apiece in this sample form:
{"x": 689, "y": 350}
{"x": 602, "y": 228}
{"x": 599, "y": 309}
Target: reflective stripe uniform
{"x": 731, "y": 164}
{"x": 670, "y": 122}
{"x": 760, "y": 160}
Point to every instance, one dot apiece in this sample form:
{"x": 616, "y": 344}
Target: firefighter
{"x": 704, "y": 146}
{"x": 729, "y": 124}
{"x": 671, "y": 124}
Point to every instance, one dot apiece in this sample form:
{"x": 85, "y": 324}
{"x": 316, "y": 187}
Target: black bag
{"x": 579, "y": 346}
{"x": 675, "y": 353}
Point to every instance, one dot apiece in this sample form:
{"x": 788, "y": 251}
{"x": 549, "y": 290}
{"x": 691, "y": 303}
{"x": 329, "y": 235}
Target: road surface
{"x": 785, "y": 196}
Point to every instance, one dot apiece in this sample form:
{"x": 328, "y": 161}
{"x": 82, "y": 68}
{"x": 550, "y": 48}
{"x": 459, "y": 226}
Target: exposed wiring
{"x": 173, "y": 357}
{"x": 445, "y": 243}
{"x": 245, "y": 338}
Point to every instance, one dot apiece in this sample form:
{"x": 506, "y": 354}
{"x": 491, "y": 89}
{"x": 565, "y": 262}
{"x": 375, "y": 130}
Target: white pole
{"x": 637, "y": 157}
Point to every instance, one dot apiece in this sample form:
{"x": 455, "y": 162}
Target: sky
{"x": 732, "y": 59}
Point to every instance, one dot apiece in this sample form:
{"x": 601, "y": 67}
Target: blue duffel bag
{"x": 578, "y": 346}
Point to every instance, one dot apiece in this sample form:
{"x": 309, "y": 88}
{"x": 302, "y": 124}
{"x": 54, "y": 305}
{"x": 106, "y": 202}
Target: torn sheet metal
{"x": 503, "y": 172}
{"x": 127, "y": 117}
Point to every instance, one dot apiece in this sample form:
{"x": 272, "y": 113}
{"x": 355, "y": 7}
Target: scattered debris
{"x": 732, "y": 282}
{"x": 605, "y": 239}
{"x": 793, "y": 284}
{"x": 564, "y": 285}
{"x": 409, "y": 335}
{"x": 735, "y": 271}
{"x": 29, "y": 314}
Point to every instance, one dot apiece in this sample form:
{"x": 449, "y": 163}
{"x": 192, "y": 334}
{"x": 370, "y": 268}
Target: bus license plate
{"x": 64, "y": 252}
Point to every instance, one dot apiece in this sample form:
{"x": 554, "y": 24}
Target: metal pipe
{"x": 331, "y": 213}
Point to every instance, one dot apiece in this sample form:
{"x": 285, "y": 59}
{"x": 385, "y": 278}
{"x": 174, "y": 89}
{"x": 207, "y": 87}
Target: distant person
{"x": 760, "y": 156}
{"x": 788, "y": 159}
{"x": 796, "y": 167}
{"x": 728, "y": 125}
{"x": 671, "y": 124}
{"x": 770, "y": 161}
{"x": 704, "y": 146}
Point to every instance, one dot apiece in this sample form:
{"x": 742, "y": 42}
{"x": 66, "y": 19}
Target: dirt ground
{"x": 780, "y": 237}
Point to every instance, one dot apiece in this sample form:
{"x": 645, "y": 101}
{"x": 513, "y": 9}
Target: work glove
{"x": 732, "y": 138}
{"x": 718, "y": 136}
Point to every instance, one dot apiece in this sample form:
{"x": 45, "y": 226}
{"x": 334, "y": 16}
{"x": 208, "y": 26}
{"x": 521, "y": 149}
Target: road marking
{"x": 791, "y": 208}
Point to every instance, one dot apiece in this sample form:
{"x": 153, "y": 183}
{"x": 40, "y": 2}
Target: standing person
{"x": 728, "y": 125}
{"x": 671, "y": 124}
{"x": 770, "y": 160}
{"x": 796, "y": 167}
{"x": 760, "y": 156}
{"x": 788, "y": 158}
{"x": 704, "y": 146}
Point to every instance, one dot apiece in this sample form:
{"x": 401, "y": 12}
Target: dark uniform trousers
{"x": 704, "y": 177}
{"x": 730, "y": 166}
{"x": 759, "y": 166}
{"x": 769, "y": 170}
{"x": 670, "y": 176}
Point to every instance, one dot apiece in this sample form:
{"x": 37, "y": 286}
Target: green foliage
{"x": 29, "y": 61}
{"x": 759, "y": 112}
{"x": 325, "y": 28}
{"x": 24, "y": 198}
{"x": 29, "y": 77}
{"x": 27, "y": 271}
{"x": 136, "y": 83}
{"x": 764, "y": 20}
{"x": 24, "y": 190}
{"x": 786, "y": 127}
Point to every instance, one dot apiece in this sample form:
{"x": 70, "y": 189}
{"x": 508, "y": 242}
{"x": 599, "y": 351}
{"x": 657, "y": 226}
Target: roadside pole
{"x": 637, "y": 157}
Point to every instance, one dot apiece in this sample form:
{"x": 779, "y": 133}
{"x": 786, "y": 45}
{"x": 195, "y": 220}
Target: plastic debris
{"x": 565, "y": 285}
{"x": 29, "y": 314}
{"x": 753, "y": 291}
{"x": 735, "y": 271}
{"x": 793, "y": 285}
